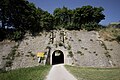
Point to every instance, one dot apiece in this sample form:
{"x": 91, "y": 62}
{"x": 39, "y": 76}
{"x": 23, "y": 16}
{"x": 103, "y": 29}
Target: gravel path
{"x": 58, "y": 72}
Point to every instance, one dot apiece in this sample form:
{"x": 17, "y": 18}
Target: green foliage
{"x": 2, "y": 34}
{"x": 70, "y": 54}
{"x": 87, "y": 16}
{"x": 31, "y": 54}
{"x": 107, "y": 54}
{"x": 62, "y": 16}
{"x": 118, "y": 38}
{"x": 17, "y": 35}
{"x": 11, "y": 56}
{"x": 61, "y": 44}
{"x": 24, "y": 17}
{"x": 79, "y": 52}
{"x": 79, "y": 40}
{"x": 72, "y": 26}
{"x": 90, "y": 26}
{"x": 8, "y": 63}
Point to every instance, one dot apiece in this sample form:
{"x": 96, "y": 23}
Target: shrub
{"x": 61, "y": 44}
{"x": 69, "y": 47}
{"x": 31, "y": 54}
{"x": 2, "y": 34}
{"x": 90, "y": 26}
{"x": 107, "y": 54}
{"x": 72, "y": 26}
{"x": 11, "y": 55}
{"x": 79, "y": 40}
{"x": 118, "y": 38}
{"x": 8, "y": 63}
{"x": 17, "y": 35}
{"x": 79, "y": 52}
{"x": 70, "y": 54}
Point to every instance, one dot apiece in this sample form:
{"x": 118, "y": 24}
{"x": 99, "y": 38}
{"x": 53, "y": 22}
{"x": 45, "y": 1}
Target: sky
{"x": 111, "y": 7}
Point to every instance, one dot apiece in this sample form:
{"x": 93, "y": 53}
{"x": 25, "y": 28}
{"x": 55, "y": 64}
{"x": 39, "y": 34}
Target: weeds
{"x": 118, "y": 38}
{"x": 11, "y": 56}
{"x": 70, "y": 54}
{"x": 61, "y": 44}
{"x": 103, "y": 45}
{"x": 8, "y": 63}
{"x": 79, "y": 52}
{"x": 31, "y": 54}
{"x": 79, "y": 40}
{"x": 69, "y": 47}
{"x": 107, "y": 54}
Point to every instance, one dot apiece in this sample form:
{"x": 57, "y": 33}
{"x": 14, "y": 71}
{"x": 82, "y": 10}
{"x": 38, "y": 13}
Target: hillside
{"x": 80, "y": 48}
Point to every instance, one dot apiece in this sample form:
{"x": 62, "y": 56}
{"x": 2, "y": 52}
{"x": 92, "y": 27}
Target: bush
{"x": 8, "y": 63}
{"x": 79, "y": 52}
{"x": 17, "y": 35}
{"x": 70, "y": 54}
{"x": 72, "y": 26}
{"x": 118, "y": 38}
{"x": 2, "y": 34}
{"x": 61, "y": 44}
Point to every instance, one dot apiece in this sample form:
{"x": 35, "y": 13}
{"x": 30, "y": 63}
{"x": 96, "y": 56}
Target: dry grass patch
{"x": 110, "y": 33}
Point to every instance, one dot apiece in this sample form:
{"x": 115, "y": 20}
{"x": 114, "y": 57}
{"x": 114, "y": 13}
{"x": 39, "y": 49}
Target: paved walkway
{"x": 58, "y": 72}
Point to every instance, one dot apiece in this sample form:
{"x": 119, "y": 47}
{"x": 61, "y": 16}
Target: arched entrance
{"x": 57, "y": 57}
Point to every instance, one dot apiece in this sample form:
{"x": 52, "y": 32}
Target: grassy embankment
{"x": 32, "y": 73}
{"x": 83, "y": 73}
{"x": 110, "y": 34}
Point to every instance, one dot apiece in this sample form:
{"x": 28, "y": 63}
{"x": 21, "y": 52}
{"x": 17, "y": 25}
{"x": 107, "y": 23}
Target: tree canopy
{"x": 73, "y": 19}
{"x": 23, "y": 16}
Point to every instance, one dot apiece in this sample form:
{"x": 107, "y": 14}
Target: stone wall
{"x": 80, "y": 48}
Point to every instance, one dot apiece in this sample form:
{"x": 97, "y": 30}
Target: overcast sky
{"x": 112, "y": 7}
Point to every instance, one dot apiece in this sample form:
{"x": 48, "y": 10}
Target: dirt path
{"x": 58, "y": 72}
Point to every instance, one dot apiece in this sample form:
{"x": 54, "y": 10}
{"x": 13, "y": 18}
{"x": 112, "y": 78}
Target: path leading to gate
{"x": 58, "y": 72}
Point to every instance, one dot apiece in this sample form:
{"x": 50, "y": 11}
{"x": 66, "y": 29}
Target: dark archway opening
{"x": 57, "y": 57}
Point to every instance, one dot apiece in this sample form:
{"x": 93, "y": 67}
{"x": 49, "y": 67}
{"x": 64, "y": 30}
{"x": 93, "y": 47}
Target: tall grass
{"x": 32, "y": 73}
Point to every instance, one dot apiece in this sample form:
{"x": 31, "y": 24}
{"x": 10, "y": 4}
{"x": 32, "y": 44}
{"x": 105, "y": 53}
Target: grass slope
{"x": 110, "y": 34}
{"x": 94, "y": 73}
{"x": 32, "y": 73}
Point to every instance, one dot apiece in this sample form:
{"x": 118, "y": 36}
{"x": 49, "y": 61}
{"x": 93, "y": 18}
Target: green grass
{"x": 82, "y": 73}
{"x": 32, "y": 73}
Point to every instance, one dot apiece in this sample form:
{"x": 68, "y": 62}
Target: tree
{"x": 3, "y": 12}
{"x": 63, "y": 16}
{"x": 97, "y": 14}
{"x": 47, "y": 21}
{"x": 23, "y": 16}
{"x": 87, "y": 15}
